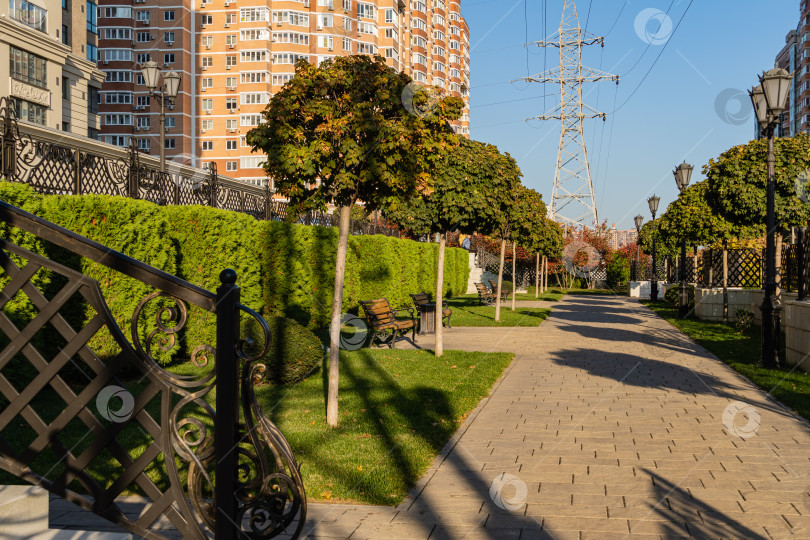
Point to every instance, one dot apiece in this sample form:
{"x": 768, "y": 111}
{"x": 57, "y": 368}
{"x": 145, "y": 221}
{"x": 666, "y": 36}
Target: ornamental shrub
{"x": 295, "y": 352}
{"x": 618, "y": 271}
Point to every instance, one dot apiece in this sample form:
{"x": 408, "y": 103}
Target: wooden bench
{"x": 504, "y": 294}
{"x": 421, "y": 299}
{"x": 385, "y": 326}
{"x": 485, "y": 297}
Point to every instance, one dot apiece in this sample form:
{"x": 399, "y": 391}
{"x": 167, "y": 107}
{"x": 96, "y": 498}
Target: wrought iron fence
{"x": 52, "y": 162}
{"x": 225, "y": 470}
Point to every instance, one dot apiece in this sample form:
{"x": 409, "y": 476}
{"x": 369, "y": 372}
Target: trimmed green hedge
{"x": 283, "y": 269}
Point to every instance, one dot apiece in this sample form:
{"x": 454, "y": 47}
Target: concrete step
{"x": 64, "y": 534}
{"x": 24, "y": 514}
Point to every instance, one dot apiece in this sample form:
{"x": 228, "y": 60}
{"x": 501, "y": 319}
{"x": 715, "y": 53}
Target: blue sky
{"x": 690, "y": 106}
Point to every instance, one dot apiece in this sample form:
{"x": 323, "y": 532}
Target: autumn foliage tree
{"x": 338, "y": 133}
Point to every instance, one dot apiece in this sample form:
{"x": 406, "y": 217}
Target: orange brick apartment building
{"x": 234, "y": 54}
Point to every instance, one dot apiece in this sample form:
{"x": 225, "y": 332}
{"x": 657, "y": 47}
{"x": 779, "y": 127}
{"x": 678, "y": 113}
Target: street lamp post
{"x": 166, "y": 93}
{"x": 769, "y": 99}
{"x": 653, "y": 203}
{"x": 639, "y": 219}
{"x": 683, "y": 173}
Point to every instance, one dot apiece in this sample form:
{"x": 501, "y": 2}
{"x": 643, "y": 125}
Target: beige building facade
{"x": 47, "y": 54}
{"x": 233, "y": 55}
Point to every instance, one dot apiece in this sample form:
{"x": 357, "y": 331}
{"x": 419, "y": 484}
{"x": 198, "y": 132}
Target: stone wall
{"x": 709, "y": 303}
{"x": 796, "y": 323}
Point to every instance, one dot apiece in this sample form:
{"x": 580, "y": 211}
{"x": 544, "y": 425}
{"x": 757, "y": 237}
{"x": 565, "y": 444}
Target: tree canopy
{"x": 737, "y": 182}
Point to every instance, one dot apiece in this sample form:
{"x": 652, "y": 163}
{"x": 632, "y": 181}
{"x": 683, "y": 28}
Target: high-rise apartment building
{"x": 48, "y": 56}
{"x": 618, "y": 239}
{"x": 233, "y": 55}
{"x": 795, "y": 57}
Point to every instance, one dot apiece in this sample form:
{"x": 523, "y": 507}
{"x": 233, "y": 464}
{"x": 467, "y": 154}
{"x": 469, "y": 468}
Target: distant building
{"x": 795, "y": 58}
{"x": 48, "y": 56}
{"x": 233, "y": 56}
{"x": 619, "y": 239}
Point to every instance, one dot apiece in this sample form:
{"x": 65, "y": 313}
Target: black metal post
{"x": 683, "y": 288}
{"x": 654, "y": 277}
{"x": 8, "y": 141}
{"x": 771, "y": 309}
{"x": 134, "y": 170}
{"x": 801, "y": 264}
{"x": 227, "y": 417}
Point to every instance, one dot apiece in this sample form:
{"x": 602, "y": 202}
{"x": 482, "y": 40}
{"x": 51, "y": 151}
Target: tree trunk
{"x": 514, "y": 273}
{"x": 725, "y": 283}
{"x": 439, "y": 348}
{"x": 337, "y": 312}
{"x": 545, "y": 273}
{"x": 537, "y": 278}
{"x": 500, "y": 282}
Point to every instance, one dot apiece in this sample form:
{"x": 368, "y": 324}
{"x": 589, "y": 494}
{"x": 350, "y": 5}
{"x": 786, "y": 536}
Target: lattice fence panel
{"x": 745, "y": 268}
{"x": 47, "y": 168}
{"x": 790, "y": 268}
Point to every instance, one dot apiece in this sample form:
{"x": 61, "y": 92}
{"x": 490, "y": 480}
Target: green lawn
{"x": 553, "y": 295}
{"x": 742, "y": 352}
{"x": 397, "y": 410}
{"x": 468, "y": 312}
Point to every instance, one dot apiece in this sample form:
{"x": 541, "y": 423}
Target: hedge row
{"x": 283, "y": 269}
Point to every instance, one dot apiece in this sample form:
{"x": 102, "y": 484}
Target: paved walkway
{"x": 609, "y": 424}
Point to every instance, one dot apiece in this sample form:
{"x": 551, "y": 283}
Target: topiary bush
{"x": 672, "y": 296}
{"x": 295, "y": 352}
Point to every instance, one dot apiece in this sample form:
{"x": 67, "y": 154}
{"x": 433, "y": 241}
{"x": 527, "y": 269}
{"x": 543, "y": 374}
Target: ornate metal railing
{"x": 56, "y": 163}
{"x": 128, "y": 424}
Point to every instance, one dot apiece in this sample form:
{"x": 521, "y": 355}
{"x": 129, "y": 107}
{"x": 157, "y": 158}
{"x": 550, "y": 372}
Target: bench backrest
{"x": 378, "y": 311}
{"x": 421, "y": 298}
{"x": 482, "y": 289}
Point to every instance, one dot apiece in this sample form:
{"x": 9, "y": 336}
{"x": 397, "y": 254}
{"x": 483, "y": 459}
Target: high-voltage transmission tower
{"x": 572, "y": 201}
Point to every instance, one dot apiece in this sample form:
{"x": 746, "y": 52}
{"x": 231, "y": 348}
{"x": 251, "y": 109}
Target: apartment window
{"x": 169, "y": 144}
{"x": 419, "y": 41}
{"x": 230, "y": 61}
{"x": 253, "y": 56}
{"x": 347, "y": 24}
{"x": 207, "y": 124}
{"x": 141, "y": 37}
{"x": 254, "y": 77}
{"x": 143, "y": 101}
{"x": 366, "y": 48}
{"x": 252, "y": 35}
{"x": 438, "y": 34}
{"x": 143, "y": 122}
{"x": 254, "y": 14}
{"x": 325, "y": 20}
{"x": 121, "y": 13}
{"x": 347, "y": 5}
{"x": 29, "y": 14}
{"x": 65, "y": 35}
{"x": 117, "y": 140}
{"x": 207, "y": 82}
{"x": 118, "y": 119}
{"x": 142, "y": 58}
{"x": 254, "y": 98}
{"x": 207, "y": 61}
{"x": 347, "y": 44}
{"x": 438, "y": 51}
{"x": 366, "y": 10}
{"x": 438, "y": 66}
{"x": 419, "y": 59}
{"x": 230, "y": 18}
{"x": 119, "y": 76}
{"x": 168, "y": 58}
{"x": 288, "y": 58}
{"x": 367, "y": 28}
{"x": 418, "y": 76}
{"x": 389, "y": 33}
{"x": 144, "y": 145}
{"x": 208, "y": 104}
{"x": 230, "y": 82}
{"x": 25, "y": 110}
{"x": 207, "y": 41}
{"x": 28, "y": 67}
{"x": 455, "y": 45}
{"x": 282, "y": 79}
{"x": 326, "y": 3}
{"x": 391, "y": 16}
{"x": 206, "y": 19}
{"x": 231, "y": 166}
{"x": 65, "y": 88}
{"x": 118, "y": 98}
{"x": 169, "y": 16}
{"x": 292, "y": 17}
{"x": 140, "y": 16}
{"x": 118, "y": 33}
{"x": 230, "y": 145}
{"x": 92, "y": 133}
{"x": 390, "y": 52}
{"x": 230, "y": 124}
{"x": 250, "y": 120}
{"x": 207, "y": 146}
{"x": 93, "y": 98}
{"x": 139, "y": 79}
{"x": 230, "y": 104}
{"x": 230, "y": 40}
{"x": 325, "y": 41}
{"x": 92, "y": 53}
{"x": 168, "y": 37}
{"x": 92, "y": 17}
{"x": 252, "y": 162}
{"x": 419, "y": 6}
{"x": 419, "y": 24}
{"x": 438, "y": 19}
